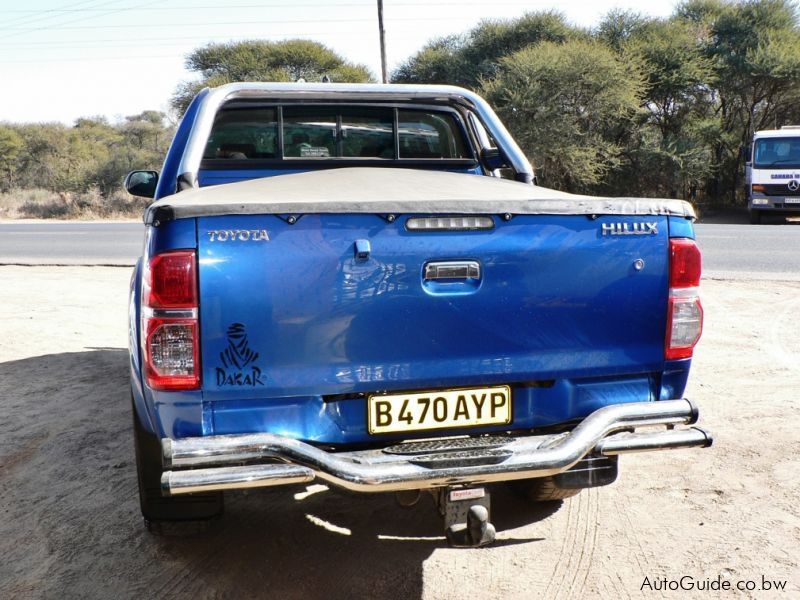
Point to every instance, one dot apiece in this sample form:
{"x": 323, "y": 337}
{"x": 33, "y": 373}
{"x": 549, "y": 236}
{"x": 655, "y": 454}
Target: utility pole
{"x": 382, "y": 32}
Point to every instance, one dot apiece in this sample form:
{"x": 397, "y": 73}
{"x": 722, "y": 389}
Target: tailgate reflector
{"x": 465, "y": 223}
{"x": 684, "y": 312}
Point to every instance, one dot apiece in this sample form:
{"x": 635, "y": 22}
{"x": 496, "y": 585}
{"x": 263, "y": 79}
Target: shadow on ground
{"x": 740, "y": 216}
{"x": 71, "y": 527}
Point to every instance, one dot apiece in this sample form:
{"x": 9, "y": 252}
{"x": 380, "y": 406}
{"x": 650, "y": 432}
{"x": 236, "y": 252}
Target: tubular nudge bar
{"x": 216, "y": 462}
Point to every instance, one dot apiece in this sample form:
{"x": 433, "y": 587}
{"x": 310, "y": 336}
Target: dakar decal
{"x": 238, "y": 361}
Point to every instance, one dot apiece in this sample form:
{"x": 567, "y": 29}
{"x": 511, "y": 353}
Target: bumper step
{"x": 450, "y": 445}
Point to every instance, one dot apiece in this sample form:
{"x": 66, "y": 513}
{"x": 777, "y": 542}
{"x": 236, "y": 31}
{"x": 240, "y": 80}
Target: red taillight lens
{"x": 170, "y": 280}
{"x": 684, "y": 263}
{"x": 170, "y": 329}
{"x": 685, "y": 312}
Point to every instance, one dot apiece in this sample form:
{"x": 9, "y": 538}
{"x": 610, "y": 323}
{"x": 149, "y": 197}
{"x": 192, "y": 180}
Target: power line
{"x": 42, "y": 15}
{"x": 272, "y": 21}
{"x": 21, "y": 31}
{"x": 181, "y": 55}
{"x": 282, "y": 5}
{"x": 178, "y": 41}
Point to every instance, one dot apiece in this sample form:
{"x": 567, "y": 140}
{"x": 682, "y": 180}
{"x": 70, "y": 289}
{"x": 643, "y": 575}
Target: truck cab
{"x": 773, "y": 172}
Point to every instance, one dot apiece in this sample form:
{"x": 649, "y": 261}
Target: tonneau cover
{"x": 395, "y": 191}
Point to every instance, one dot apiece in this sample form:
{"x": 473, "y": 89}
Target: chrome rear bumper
{"x": 216, "y": 462}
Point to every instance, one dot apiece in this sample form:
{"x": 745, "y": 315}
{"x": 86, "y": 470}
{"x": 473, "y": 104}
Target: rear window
{"x": 326, "y": 132}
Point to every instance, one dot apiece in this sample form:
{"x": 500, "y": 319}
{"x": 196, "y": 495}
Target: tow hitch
{"x": 466, "y": 513}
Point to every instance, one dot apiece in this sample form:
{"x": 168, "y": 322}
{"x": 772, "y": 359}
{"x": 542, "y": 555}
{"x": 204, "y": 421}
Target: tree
{"x": 567, "y": 104}
{"x": 256, "y": 60}
{"x": 668, "y": 152}
{"x": 468, "y": 59}
{"x": 754, "y": 49}
{"x": 439, "y": 61}
{"x": 11, "y": 145}
{"x": 618, "y": 27}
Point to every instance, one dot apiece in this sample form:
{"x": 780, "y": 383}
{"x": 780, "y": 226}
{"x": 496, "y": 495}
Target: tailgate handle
{"x": 452, "y": 269}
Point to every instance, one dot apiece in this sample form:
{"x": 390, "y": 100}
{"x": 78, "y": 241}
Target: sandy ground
{"x": 69, "y": 522}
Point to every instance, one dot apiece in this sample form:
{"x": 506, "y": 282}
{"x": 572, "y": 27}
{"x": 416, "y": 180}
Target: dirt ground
{"x": 70, "y": 527}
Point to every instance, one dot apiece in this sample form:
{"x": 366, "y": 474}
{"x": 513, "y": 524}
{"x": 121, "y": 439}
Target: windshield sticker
{"x": 314, "y": 151}
{"x": 238, "y": 360}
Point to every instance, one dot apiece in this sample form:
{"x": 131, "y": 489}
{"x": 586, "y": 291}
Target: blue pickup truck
{"x": 362, "y": 285}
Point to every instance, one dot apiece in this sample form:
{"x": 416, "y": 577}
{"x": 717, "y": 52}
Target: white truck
{"x": 773, "y": 172}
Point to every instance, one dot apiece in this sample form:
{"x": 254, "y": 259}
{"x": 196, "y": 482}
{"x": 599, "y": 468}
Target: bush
{"x": 42, "y": 204}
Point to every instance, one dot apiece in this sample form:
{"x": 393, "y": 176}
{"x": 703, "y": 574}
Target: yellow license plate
{"x": 421, "y": 411}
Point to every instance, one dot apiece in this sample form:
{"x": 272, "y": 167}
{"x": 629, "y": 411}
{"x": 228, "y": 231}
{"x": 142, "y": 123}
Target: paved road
{"x": 70, "y": 243}
{"x": 734, "y": 251}
{"x": 729, "y": 250}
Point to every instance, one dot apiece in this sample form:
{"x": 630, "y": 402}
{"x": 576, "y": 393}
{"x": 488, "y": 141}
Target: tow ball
{"x": 466, "y": 513}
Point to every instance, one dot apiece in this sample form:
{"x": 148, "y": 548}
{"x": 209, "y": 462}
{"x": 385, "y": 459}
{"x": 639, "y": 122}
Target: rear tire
{"x": 165, "y": 514}
{"x": 543, "y": 489}
{"x": 755, "y": 217}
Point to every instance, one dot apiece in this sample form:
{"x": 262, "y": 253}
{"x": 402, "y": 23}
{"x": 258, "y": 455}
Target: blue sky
{"x": 63, "y": 60}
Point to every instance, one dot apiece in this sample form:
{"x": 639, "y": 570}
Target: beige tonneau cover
{"x": 395, "y": 191}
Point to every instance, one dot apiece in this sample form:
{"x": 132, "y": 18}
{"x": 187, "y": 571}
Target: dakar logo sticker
{"x": 237, "y": 360}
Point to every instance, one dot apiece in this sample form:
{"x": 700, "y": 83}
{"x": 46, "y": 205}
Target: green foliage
{"x": 439, "y": 61}
{"x": 619, "y": 27}
{"x": 754, "y": 51}
{"x": 567, "y": 104}
{"x": 709, "y": 76}
{"x": 92, "y": 155}
{"x": 257, "y": 60}
{"x": 467, "y": 60}
{"x": 11, "y": 144}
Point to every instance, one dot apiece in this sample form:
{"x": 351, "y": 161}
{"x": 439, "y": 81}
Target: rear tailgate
{"x": 289, "y": 310}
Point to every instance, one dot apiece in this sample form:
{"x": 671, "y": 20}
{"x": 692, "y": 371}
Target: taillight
{"x": 685, "y": 312}
{"x": 170, "y": 329}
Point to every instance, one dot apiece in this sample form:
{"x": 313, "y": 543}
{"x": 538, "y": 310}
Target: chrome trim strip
{"x": 376, "y": 471}
{"x": 690, "y": 292}
{"x": 169, "y": 313}
{"x": 201, "y": 128}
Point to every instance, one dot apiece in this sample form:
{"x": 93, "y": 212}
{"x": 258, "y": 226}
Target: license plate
{"x": 445, "y": 409}
{"x": 791, "y": 200}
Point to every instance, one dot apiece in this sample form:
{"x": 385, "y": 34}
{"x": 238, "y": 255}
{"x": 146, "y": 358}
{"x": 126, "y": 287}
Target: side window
{"x": 243, "y": 134}
{"x": 426, "y": 134}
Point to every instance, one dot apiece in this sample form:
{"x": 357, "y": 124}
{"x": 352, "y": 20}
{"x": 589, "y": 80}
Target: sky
{"x": 69, "y": 59}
